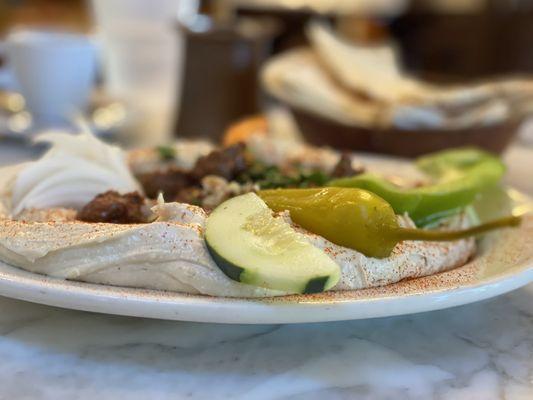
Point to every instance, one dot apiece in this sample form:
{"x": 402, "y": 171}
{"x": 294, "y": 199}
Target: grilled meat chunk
{"x": 114, "y": 208}
{"x": 345, "y": 168}
{"x": 227, "y": 163}
{"x": 170, "y": 181}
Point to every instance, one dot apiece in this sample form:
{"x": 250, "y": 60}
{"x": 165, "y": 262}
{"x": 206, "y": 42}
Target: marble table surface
{"x": 481, "y": 351}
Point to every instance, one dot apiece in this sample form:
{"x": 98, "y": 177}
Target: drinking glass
{"x": 142, "y": 61}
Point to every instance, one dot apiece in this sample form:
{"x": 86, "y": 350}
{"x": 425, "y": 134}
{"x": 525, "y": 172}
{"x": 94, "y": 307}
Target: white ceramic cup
{"x": 55, "y": 72}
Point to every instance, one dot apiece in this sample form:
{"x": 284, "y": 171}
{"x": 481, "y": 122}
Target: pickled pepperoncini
{"x": 358, "y": 219}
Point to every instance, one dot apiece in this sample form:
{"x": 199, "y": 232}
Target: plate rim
{"x": 135, "y": 302}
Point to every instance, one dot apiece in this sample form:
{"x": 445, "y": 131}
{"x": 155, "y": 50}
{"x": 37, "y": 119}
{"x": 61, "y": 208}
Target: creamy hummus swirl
{"x": 170, "y": 254}
{"x": 71, "y": 173}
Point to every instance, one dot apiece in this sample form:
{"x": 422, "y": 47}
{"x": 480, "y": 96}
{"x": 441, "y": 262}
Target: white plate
{"x": 505, "y": 263}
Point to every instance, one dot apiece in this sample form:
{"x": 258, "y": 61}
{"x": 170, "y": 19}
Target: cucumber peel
{"x": 250, "y": 245}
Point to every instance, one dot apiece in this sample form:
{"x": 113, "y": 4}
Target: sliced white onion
{"x": 71, "y": 173}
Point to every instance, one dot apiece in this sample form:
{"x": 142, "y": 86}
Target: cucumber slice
{"x": 252, "y": 246}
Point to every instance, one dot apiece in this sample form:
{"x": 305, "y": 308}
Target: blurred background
{"x": 400, "y": 77}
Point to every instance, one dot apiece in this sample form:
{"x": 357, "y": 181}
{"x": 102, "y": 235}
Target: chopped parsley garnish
{"x": 271, "y": 177}
{"x": 166, "y": 153}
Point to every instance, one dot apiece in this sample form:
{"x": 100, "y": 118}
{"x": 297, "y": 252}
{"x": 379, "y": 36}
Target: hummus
{"x": 170, "y": 254}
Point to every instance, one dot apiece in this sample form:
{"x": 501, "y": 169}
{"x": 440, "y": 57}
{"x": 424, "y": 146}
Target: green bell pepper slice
{"x": 458, "y": 175}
